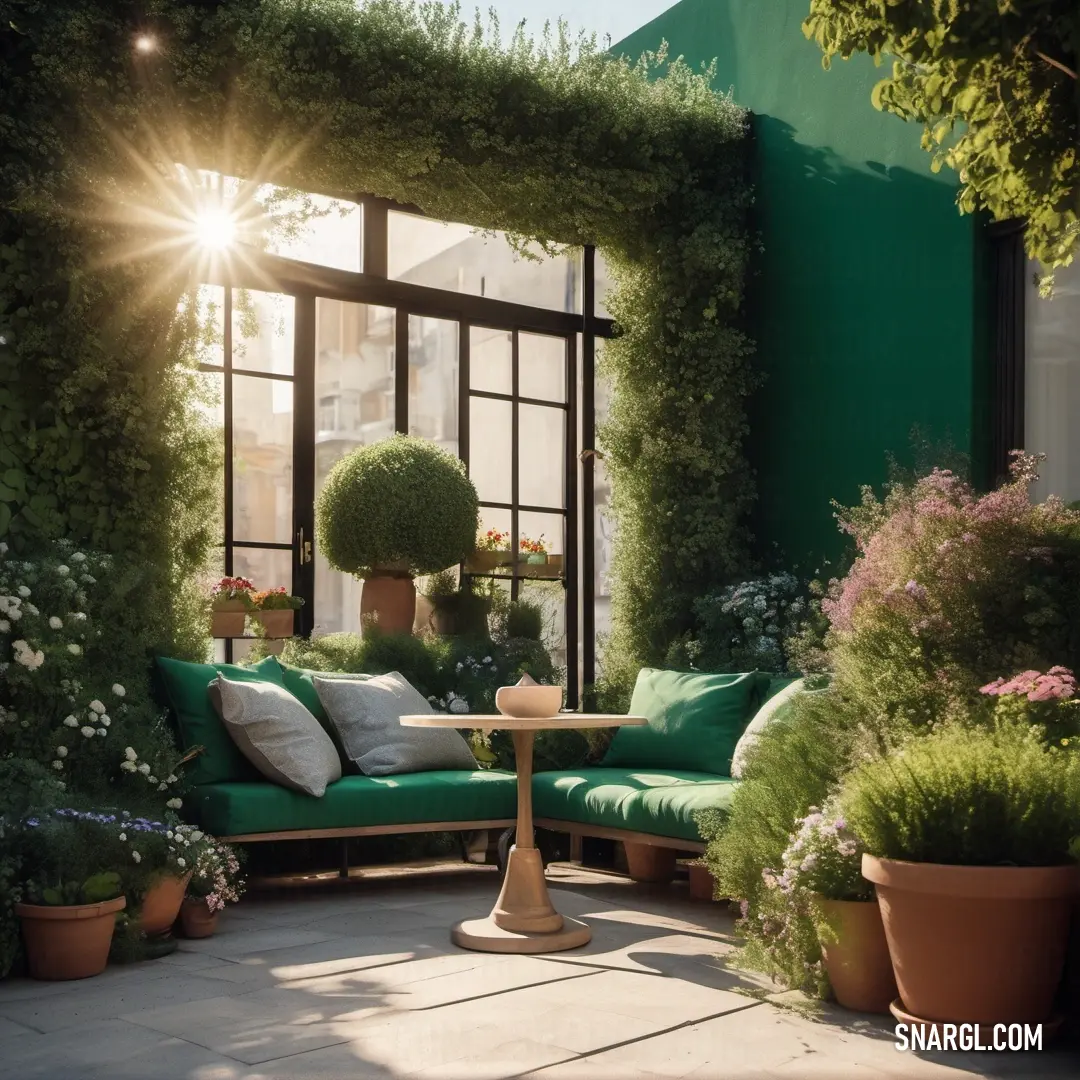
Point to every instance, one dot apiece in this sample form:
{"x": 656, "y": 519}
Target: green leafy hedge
{"x": 403, "y": 500}
{"x": 99, "y": 441}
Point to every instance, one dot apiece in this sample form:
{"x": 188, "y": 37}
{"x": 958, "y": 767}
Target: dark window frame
{"x": 306, "y": 283}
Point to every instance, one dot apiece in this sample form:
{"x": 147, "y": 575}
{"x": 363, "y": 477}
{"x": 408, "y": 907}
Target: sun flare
{"x": 214, "y": 228}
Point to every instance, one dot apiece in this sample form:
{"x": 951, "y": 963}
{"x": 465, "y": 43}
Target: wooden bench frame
{"x": 577, "y": 830}
{"x": 347, "y": 834}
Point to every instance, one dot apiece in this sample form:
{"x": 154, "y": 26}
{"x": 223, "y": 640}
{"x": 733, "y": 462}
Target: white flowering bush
{"x": 766, "y": 624}
{"x": 75, "y": 689}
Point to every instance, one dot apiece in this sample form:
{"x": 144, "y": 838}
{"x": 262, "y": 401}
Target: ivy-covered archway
{"x": 99, "y": 99}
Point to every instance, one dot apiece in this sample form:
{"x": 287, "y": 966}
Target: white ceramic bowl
{"x": 529, "y": 702}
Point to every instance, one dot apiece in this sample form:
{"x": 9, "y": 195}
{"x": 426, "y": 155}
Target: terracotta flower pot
{"x": 161, "y": 905}
{"x": 197, "y": 920}
{"x": 65, "y": 942}
{"x": 277, "y": 623}
{"x": 857, "y": 959}
{"x": 227, "y": 619}
{"x": 975, "y": 944}
{"x": 392, "y": 599}
{"x": 646, "y": 862}
{"x": 702, "y": 883}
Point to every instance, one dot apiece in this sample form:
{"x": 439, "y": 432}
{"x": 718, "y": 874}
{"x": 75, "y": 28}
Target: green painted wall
{"x": 867, "y": 302}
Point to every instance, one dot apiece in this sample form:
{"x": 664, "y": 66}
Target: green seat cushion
{"x": 695, "y": 720}
{"x": 237, "y": 809}
{"x": 660, "y": 803}
{"x": 187, "y": 687}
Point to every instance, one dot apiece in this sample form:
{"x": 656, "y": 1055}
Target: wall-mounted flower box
{"x": 275, "y": 610}
{"x": 232, "y": 600}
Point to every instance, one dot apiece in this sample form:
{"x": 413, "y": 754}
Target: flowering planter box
{"x": 277, "y": 624}
{"x": 227, "y": 618}
{"x": 485, "y": 562}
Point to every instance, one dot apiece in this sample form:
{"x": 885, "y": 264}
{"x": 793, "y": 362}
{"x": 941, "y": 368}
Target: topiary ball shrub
{"x": 402, "y": 503}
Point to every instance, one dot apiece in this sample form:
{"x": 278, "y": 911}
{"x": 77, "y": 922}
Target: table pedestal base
{"x": 523, "y": 919}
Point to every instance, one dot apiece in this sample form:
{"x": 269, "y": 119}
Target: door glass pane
{"x": 542, "y": 367}
{"x": 315, "y": 228}
{"x": 491, "y": 360}
{"x": 262, "y": 326}
{"x": 210, "y": 404}
{"x": 267, "y": 568}
{"x": 433, "y": 381}
{"x": 354, "y": 406}
{"x": 446, "y": 255}
{"x": 262, "y": 459}
{"x": 550, "y": 528}
{"x": 550, "y": 597}
{"x": 541, "y": 456}
{"x": 490, "y": 447}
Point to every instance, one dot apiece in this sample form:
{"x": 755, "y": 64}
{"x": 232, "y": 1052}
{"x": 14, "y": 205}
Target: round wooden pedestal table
{"x": 523, "y": 920}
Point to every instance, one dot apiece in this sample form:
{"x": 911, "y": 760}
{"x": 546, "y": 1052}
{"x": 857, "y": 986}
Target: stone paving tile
{"x": 430, "y": 983}
{"x": 332, "y": 956}
{"x": 76, "y": 1003}
{"x": 81, "y": 1051}
{"x": 252, "y": 1028}
{"x": 234, "y": 944}
{"x": 10, "y": 1030}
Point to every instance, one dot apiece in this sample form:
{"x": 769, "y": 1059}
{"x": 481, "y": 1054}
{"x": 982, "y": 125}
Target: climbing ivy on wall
{"x": 99, "y": 439}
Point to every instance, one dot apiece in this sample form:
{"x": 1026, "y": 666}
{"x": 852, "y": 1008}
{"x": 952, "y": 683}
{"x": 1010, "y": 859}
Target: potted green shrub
{"x": 457, "y": 607}
{"x": 970, "y": 837}
{"x": 215, "y": 881}
{"x": 274, "y": 610}
{"x": 231, "y": 600}
{"x": 821, "y": 871}
{"x": 72, "y": 891}
{"x": 393, "y": 510}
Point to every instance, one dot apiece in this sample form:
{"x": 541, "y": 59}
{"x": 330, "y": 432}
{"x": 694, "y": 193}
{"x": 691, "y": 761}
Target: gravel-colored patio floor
{"x": 361, "y": 981}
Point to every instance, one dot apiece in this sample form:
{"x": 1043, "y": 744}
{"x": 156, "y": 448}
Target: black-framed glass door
{"x": 312, "y": 361}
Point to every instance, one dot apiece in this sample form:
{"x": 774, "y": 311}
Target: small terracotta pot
{"x": 646, "y": 862}
{"x": 197, "y": 920}
{"x": 161, "y": 905}
{"x": 702, "y": 883}
{"x": 975, "y": 944}
{"x": 227, "y": 619}
{"x": 392, "y": 600}
{"x": 68, "y": 942}
{"x": 279, "y": 623}
{"x": 857, "y": 959}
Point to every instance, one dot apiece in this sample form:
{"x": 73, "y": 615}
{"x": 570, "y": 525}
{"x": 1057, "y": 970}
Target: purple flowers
{"x": 1058, "y": 683}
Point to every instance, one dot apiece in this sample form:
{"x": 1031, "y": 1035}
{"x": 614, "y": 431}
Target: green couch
{"x": 232, "y": 801}
{"x": 654, "y": 780}
{"x": 646, "y": 791}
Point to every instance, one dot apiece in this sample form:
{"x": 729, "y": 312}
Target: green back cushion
{"x": 187, "y": 686}
{"x": 695, "y": 720}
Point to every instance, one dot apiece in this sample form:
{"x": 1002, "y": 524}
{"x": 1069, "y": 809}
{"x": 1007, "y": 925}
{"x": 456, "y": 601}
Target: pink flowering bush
{"x": 1048, "y": 700}
{"x": 949, "y": 590}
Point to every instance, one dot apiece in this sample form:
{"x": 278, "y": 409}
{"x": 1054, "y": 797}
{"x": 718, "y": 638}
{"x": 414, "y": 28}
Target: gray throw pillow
{"x": 277, "y": 734}
{"x": 367, "y": 714}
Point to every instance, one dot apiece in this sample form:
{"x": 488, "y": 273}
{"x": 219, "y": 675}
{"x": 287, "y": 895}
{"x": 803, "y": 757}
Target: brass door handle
{"x": 305, "y": 549}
